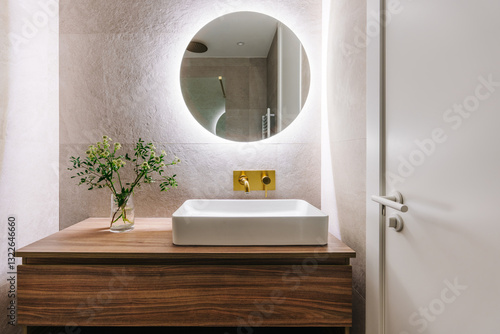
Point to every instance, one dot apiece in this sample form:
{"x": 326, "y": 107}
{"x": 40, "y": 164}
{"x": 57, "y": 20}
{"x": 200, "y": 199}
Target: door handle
{"x": 394, "y": 201}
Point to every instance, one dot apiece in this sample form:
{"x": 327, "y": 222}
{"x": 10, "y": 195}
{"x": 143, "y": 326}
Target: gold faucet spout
{"x": 243, "y": 179}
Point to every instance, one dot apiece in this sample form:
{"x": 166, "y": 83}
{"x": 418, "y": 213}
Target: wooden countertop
{"x": 152, "y": 239}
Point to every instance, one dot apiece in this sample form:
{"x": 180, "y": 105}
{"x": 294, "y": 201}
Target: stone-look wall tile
{"x": 245, "y": 88}
{"x": 237, "y": 128}
{"x": 255, "y": 123}
{"x": 122, "y": 16}
{"x": 126, "y": 16}
{"x": 82, "y": 87}
{"x": 206, "y": 171}
{"x": 120, "y": 65}
{"x": 237, "y": 87}
{"x": 258, "y": 84}
{"x": 220, "y": 63}
{"x": 299, "y": 175}
{"x": 76, "y": 203}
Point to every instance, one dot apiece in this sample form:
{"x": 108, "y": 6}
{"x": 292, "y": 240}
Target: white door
{"x": 441, "y": 273}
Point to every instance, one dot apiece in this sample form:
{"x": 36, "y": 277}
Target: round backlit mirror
{"x": 245, "y": 76}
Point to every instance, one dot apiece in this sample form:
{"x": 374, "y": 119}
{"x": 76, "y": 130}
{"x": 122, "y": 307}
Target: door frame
{"x": 375, "y": 167}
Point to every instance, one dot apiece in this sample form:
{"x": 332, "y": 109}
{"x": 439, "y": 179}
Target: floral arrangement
{"x": 103, "y": 162}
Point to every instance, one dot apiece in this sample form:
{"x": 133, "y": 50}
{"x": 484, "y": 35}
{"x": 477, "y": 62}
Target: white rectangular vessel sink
{"x": 249, "y": 223}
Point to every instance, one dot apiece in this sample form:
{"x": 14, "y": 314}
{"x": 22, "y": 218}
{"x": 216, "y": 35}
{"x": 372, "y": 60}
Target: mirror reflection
{"x": 245, "y": 76}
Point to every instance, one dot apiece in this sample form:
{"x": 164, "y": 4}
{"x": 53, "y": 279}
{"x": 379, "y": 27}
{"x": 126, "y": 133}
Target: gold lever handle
{"x": 266, "y": 180}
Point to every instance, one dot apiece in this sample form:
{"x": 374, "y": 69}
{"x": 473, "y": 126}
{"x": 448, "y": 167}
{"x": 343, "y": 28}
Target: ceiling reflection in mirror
{"x": 245, "y": 76}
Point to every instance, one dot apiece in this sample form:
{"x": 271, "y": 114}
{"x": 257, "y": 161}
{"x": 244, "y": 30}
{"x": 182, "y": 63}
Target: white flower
{"x": 118, "y": 163}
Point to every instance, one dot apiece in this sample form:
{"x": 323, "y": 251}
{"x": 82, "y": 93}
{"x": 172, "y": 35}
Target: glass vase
{"x": 122, "y": 214}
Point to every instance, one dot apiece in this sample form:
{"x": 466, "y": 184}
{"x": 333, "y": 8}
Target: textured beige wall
{"x": 119, "y": 75}
{"x": 346, "y": 90}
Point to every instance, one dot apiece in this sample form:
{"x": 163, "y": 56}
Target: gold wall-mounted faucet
{"x": 243, "y": 180}
{"x": 252, "y": 180}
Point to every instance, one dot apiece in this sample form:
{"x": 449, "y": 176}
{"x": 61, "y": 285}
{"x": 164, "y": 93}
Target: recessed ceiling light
{"x": 240, "y": 43}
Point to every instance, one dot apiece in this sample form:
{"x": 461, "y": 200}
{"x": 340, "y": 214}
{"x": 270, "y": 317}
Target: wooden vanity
{"x": 85, "y": 275}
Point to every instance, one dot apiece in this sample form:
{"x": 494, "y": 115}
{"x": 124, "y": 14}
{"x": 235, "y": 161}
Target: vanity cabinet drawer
{"x": 185, "y": 295}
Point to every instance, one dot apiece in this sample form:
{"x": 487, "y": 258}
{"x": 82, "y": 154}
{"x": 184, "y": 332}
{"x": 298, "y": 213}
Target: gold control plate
{"x": 255, "y": 179}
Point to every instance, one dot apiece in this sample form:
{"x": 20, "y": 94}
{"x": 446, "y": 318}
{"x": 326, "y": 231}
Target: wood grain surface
{"x": 185, "y": 295}
{"x": 152, "y": 239}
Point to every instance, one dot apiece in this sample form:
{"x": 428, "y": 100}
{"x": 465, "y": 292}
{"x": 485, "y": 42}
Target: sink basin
{"x": 249, "y": 223}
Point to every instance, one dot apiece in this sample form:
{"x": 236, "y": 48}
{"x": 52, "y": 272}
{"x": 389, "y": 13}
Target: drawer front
{"x": 185, "y": 295}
